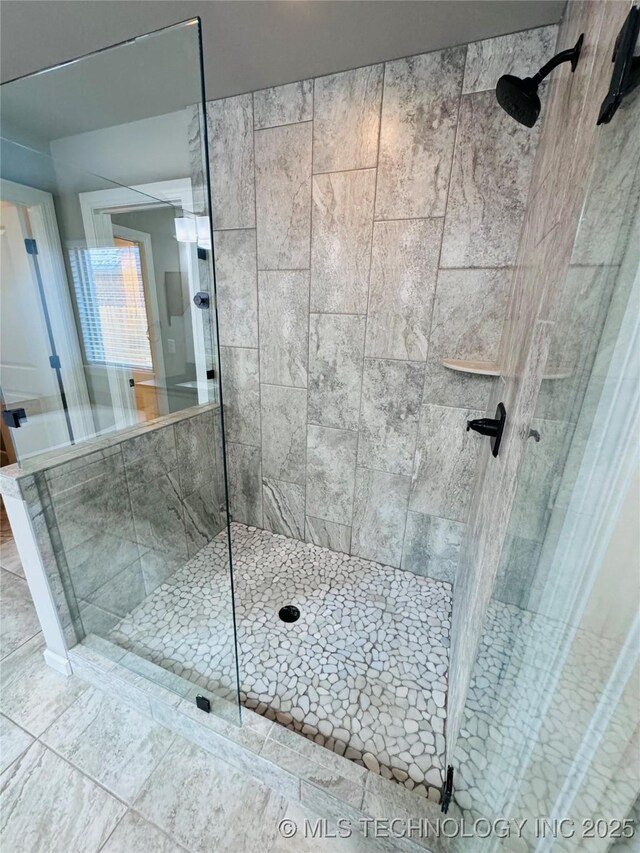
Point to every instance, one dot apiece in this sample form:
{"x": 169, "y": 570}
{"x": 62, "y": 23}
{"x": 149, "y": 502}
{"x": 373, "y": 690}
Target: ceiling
{"x": 251, "y": 45}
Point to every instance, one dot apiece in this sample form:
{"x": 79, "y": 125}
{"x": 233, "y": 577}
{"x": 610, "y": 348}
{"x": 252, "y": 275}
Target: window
{"x": 111, "y": 304}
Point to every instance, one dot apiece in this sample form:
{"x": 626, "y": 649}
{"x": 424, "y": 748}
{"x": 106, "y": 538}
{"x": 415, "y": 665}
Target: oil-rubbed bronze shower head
{"x": 519, "y": 96}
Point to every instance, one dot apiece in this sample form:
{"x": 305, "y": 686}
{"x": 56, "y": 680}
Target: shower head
{"x": 519, "y": 96}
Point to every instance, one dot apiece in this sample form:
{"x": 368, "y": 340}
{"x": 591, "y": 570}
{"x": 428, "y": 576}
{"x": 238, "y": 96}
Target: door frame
{"x": 98, "y": 228}
{"x": 44, "y": 227}
{"x": 151, "y": 302}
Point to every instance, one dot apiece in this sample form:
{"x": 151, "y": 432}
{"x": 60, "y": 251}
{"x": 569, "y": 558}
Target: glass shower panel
{"x": 107, "y": 156}
{"x": 551, "y": 723}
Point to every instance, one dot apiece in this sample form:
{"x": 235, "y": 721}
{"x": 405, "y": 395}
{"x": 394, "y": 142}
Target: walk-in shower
{"x": 276, "y": 322}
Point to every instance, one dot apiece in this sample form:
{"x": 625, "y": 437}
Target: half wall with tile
{"x": 362, "y": 235}
{"x": 114, "y": 519}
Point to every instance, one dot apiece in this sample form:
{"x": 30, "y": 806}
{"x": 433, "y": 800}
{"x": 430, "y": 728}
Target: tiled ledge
{"x": 11, "y": 475}
{"x": 326, "y": 783}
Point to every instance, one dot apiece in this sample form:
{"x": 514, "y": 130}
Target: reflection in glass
{"x": 555, "y": 692}
{"x": 106, "y": 240}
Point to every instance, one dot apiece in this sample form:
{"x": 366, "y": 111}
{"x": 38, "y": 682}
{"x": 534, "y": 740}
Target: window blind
{"x": 111, "y": 305}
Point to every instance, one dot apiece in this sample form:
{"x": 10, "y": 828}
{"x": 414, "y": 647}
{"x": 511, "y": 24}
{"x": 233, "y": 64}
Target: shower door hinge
{"x": 31, "y": 246}
{"x": 447, "y": 791}
{"x": 54, "y": 361}
{"x": 203, "y": 703}
{"x": 13, "y": 417}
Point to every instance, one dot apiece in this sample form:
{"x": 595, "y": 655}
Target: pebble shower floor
{"x": 363, "y": 671}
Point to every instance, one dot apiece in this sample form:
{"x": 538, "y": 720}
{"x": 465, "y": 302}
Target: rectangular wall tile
{"x": 230, "y": 128}
{"x": 380, "y": 511}
{"x": 468, "y": 317}
{"x": 341, "y": 241}
{"x": 328, "y": 534}
{"x": 493, "y": 153}
{"x": 331, "y": 466}
{"x": 245, "y": 483}
{"x": 159, "y": 516}
{"x": 286, "y": 104}
{"x": 419, "y": 116}
{"x": 336, "y": 351}
{"x": 283, "y": 298}
{"x": 241, "y": 394}
{"x": 347, "y": 119}
{"x": 196, "y": 446}
{"x": 91, "y": 497}
{"x": 203, "y": 517}
{"x": 284, "y": 433}
{"x": 432, "y": 546}
{"x": 445, "y": 464}
{"x": 149, "y": 455}
{"x": 516, "y": 53}
{"x": 403, "y": 282}
{"x": 237, "y": 287}
{"x": 283, "y": 196}
{"x": 98, "y": 560}
{"x": 122, "y": 593}
{"x": 391, "y": 397}
{"x": 283, "y": 505}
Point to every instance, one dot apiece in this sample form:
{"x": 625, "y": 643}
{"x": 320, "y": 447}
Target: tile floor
{"x": 82, "y": 772}
{"x": 363, "y": 671}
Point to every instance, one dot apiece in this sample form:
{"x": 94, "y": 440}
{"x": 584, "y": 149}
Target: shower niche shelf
{"x": 490, "y": 368}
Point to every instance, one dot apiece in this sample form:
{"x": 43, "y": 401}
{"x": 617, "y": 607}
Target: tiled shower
{"x": 365, "y": 228}
{"x": 330, "y": 563}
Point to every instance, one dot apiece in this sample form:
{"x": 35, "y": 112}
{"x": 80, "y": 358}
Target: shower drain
{"x": 289, "y": 613}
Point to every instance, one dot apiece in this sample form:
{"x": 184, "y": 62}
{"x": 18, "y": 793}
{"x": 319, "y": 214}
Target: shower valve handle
{"x": 492, "y": 427}
{"x": 485, "y": 426}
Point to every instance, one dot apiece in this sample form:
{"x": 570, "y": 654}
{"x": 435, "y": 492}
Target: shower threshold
{"x": 362, "y": 671}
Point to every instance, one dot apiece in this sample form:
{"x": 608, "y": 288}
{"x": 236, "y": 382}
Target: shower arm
{"x": 571, "y": 55}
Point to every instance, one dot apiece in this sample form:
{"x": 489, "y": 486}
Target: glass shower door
{"x": 550, "y": 729}
{"x": 35, "y": 414}
{"x": 136, "y": 511}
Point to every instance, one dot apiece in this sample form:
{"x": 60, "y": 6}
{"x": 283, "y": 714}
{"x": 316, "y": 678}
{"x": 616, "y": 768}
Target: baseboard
{"x": 58, "y": 662}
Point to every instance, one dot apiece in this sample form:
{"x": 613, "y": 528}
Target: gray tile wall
{"x": 121, "y": 519}
{"x": 388, "y": 204}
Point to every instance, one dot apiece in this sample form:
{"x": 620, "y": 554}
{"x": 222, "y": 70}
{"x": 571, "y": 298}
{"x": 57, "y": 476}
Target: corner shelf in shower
{"x": 490, "y": 368}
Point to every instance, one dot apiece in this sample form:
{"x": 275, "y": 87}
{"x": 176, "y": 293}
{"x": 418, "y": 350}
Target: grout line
{"x": 406, "y": 218}
{"x": 21, "y": 727}
{"x": 227, "y": 230}
{"x": 326, "y": 426}
{"x": 24, "y": 643}
{"x": 85, "y": 775}
{"x": 277, "y": 385}
{"x": 285, "y": 269}
{"x": 244, "y": 444}
{"x": 117, "y": 824}
{"x": 306, "y": 417}
{"x": 259, "y": 496}
{"x": 276, "y": 126}
{"x": 346, "y": 171}
{"x": 366, "y": 316}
